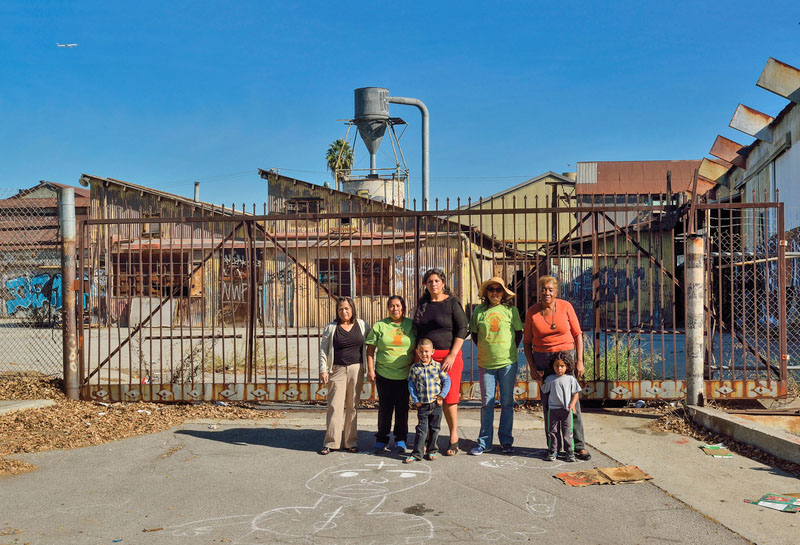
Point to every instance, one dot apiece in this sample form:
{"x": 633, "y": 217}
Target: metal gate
{"x": 230, "y": 305}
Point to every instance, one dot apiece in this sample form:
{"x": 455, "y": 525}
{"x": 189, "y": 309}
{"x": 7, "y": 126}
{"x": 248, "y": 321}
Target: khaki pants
{"x": 344, "y": 391}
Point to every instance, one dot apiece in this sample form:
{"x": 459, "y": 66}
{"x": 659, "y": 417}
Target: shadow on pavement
{"x": 289, "y": 439}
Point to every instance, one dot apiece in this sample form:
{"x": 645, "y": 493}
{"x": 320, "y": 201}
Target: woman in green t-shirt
{"x": 390, "y": 353}
{"x": 496, "y": 330}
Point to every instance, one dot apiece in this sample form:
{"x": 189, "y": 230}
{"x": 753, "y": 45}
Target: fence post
{"x": 66, "y": 221}
{"x": 695, "y": 298}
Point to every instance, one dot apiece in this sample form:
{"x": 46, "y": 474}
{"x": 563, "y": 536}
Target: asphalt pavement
{"x": 258, "y": 482}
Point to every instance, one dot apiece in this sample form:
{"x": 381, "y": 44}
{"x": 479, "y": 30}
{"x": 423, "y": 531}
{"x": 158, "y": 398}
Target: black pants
{"x": 392, "y": 398}
{"x": 429, "y": 417}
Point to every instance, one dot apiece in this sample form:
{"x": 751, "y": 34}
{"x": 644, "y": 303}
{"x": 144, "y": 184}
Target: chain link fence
{"x": 30, "y": 283}
{"x": 745, "y": 285}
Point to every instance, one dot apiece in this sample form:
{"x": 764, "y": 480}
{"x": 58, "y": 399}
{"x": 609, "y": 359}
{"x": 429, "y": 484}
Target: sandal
{"x": 325, "y": 451}
{"x": 452, "y": 449}
{"x": 352, "y": 449}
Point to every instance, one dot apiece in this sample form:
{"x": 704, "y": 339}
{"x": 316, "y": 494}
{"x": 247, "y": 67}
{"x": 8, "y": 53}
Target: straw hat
{"x": 494, "y": 280}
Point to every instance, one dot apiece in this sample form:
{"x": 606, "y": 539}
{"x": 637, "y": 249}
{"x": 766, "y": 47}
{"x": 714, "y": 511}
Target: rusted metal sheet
{"x": 635, "y": 177}
{"x": 745, "y": 389}
{"x": 729, "y": 151}
{"x": 751, "y": 121}
{"x": 713, "y": 169}
{"x": 781, "y": 79}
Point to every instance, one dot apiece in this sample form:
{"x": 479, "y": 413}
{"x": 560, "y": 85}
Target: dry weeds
{"x": 73, "y": 424}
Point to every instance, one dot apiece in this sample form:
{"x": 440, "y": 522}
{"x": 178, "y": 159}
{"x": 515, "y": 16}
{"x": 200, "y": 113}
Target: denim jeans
{"x": 429, "y": 423}
{"x": 506, "y": 378}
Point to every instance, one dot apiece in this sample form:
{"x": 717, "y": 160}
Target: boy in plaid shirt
{"x": 428, "y": 386}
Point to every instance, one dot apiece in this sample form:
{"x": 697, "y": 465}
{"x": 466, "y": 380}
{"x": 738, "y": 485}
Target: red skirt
{"x": 455, "y": 374}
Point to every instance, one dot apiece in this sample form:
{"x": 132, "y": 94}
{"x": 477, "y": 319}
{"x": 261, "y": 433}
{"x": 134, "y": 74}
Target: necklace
{"x": 553, "y": 314}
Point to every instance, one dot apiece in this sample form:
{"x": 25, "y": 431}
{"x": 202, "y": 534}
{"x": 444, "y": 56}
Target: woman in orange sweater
{"x": 551, "y": 326}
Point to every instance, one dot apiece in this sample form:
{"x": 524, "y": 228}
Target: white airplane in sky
{"x": 66, "y": 45}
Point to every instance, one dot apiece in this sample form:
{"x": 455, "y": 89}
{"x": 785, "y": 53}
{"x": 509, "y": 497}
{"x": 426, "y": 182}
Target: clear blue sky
{"x": 165, "y": 93}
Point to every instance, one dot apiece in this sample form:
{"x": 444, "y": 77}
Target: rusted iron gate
{"x": 231, "y": 308}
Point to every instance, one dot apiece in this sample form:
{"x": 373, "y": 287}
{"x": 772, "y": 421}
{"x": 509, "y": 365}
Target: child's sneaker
{"x": 571, "y": 457}
{"x": 401, "y": 447}
{"x": 477, "y": 450}
{"x": 551, "y": 456}
{"x": 507, "y": 449}
{"x": 380, "y": 447}
{"x": 409, "y": 459}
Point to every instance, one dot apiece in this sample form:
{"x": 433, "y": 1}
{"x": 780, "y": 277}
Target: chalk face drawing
{"x": 349, "y": 492}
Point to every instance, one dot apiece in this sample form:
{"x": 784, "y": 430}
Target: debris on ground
{"x": 675, "y": 419}
{"x": 787, "y": 504}
{"x": 73, "y": 424}
{"x": 604, "y": 475}
{"x": 717, "y": 451}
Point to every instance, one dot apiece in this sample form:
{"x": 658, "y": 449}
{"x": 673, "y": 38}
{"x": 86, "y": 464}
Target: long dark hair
{"x": 423, "y": 301}
{"x": 340, "y": 300}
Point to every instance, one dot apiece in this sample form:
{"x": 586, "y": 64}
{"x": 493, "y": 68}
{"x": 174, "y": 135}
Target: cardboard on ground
{"x": 604, "y": 475}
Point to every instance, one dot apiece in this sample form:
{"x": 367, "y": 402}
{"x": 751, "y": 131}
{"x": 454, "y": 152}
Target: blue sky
{"x": 166, "y": 93}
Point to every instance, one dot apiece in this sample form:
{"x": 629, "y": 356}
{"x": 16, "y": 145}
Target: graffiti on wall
{"x": 33, "y": 293}
{"x": 626, "y": 295}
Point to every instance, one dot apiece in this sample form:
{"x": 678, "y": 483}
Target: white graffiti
{"x": 349, "y": 492}
{"x": 517, "y": 462}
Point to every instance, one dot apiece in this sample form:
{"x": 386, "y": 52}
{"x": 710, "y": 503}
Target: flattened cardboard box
{"x": 604, "y": 475}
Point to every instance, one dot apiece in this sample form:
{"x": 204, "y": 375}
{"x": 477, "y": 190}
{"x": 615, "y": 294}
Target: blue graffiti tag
{"x": 33, "y": 293}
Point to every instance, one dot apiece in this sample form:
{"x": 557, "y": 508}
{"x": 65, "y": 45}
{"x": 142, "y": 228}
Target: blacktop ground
{"x": 262, "y": 481}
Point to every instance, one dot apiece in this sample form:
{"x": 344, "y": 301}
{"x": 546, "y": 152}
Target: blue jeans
{"x": 506, "y": 378}
{"x": 429, "y": 422}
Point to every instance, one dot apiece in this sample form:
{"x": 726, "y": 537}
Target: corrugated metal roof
{"x": 632, "y": 177}
{"x": 587, "y": 173}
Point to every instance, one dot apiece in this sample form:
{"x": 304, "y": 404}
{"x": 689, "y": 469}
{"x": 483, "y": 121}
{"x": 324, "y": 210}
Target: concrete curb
{"x": 773, "y": 441}
{"x": 11, "y": 406}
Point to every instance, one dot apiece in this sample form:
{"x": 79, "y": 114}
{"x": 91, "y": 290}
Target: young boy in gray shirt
{"x": 563, "y": 389}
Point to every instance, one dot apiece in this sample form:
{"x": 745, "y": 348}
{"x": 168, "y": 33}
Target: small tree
{"x": 339, "y": 157}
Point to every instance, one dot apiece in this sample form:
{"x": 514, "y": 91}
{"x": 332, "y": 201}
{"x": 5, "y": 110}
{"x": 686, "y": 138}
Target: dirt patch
{"x": 677, "y": 420}
{"x": 73, "y": 424}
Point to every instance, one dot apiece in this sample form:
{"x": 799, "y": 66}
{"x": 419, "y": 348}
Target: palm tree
{"x": 339, "y": 158}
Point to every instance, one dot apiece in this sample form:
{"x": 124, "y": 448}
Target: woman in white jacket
{"x": 342, "y": 364}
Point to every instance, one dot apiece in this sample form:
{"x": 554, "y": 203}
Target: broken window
{"x": 303, "y": 206}
{"x": 334, "y": 274}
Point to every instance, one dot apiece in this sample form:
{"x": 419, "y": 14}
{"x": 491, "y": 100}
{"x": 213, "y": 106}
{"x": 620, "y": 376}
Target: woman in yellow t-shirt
{"x": 390, "y": 353}
{"x": 496, "y": 329}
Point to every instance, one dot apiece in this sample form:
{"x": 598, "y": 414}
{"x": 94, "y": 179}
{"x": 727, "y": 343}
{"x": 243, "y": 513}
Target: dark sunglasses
{"x": 497, "y": 289}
